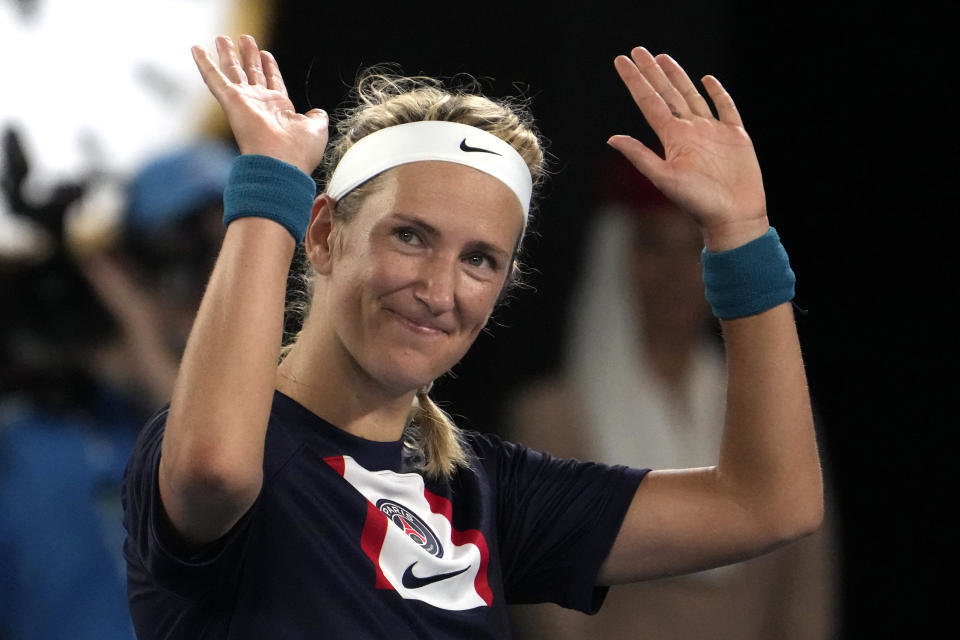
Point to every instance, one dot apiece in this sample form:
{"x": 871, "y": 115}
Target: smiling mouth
{"x": 416, "y": 327}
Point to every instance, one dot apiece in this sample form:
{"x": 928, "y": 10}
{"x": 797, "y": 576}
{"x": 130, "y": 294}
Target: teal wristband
{"x": 265, "y": 187}
{"x": 749, "y": 279}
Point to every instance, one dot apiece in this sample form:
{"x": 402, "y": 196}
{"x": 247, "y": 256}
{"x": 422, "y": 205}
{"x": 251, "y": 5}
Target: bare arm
{"x": 154, "y": 364}
{"x": 212, "y": 453}
{"x": 766, "y": 487}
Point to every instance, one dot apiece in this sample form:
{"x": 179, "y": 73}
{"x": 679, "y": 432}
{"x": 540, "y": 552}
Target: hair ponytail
{"x": 432, "y": 440}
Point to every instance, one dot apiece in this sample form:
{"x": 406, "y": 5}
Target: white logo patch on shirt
{"x": 409, "y": 537}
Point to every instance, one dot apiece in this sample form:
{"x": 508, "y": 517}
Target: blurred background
{"x": 113, "y": 155}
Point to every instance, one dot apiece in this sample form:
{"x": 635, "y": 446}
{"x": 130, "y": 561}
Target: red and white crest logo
{"x": 409, "y": 537}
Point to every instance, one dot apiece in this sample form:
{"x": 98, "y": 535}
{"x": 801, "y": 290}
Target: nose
{"x": 436, "y": 288}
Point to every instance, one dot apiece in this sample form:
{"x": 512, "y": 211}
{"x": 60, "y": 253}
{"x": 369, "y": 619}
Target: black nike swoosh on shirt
{"x": 465, "y": 147}
{"x": 411, "y": 581}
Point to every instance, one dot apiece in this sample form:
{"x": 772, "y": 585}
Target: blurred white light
{"x": 99, "y": 86}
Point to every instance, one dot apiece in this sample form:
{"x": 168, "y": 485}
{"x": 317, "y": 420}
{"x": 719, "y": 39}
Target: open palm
{"x": 709, "y": 166}
{"x": 250, "y": 89}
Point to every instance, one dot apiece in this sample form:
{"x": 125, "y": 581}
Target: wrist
{"x": 748, "y": 279}
{"x": 731, "y": 235}
{"x": 265, "y": 187}
{"x": 278, "y": 154}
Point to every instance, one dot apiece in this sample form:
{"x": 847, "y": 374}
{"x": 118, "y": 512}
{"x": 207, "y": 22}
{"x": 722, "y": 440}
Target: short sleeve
{"x": 557, "y": 520}
{"x": 155, "y": 556}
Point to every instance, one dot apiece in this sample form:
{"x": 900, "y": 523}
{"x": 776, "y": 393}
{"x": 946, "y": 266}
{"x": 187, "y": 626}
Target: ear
{"x": 318, "y": 241}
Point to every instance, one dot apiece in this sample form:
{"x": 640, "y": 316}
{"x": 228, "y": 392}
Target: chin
{"x": 407, "y": 372}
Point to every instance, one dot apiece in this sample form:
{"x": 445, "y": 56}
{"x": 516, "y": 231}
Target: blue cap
{"x": 177, "y": 184}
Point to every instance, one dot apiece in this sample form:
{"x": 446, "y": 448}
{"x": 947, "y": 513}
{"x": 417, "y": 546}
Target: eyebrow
{"x": 419, "y": 223}
{"x": 476, "y": 245}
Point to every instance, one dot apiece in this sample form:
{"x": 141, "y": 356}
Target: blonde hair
{"x": 382, "y": 99}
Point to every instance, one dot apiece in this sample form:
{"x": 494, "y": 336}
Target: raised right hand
{"x": 250, "y": 89}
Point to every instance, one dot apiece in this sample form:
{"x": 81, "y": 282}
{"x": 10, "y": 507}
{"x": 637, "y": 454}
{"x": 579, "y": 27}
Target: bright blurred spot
{"x": 99, "y": 86}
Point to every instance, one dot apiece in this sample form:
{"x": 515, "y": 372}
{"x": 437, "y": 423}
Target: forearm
{"x": 768, "y": 459}
{"x": 211, "y": 464}
{"x": 153, "y": 363}
{"x": 156, "y": 366}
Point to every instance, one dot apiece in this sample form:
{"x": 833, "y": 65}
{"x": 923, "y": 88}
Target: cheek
{"x": 477, "y": 303}
{"x": 364, "y": 271}
{"x": 388, "y": 272}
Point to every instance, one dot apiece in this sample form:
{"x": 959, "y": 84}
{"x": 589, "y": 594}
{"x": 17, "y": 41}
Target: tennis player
{"x": 329, "y": 496}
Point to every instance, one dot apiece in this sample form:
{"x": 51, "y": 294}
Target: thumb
{"x": 319, "y": 122}
{"x": 317, "y": 114}
{"x": 640, "y": 156}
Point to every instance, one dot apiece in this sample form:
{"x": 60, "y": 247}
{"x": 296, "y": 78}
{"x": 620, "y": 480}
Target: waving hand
{"x": 709, "y": 166}
{"x": 766, "y": 487}
{"x": 249, "y": 87}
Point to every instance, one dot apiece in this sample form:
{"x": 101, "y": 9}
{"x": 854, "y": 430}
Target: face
{"x": 414, "y": 276}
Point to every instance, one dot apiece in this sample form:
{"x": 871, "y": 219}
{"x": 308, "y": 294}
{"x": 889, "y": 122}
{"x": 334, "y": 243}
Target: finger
{"x": 317, "y": 114}
{"x": 229, "y": 62}
{"x": 640, "y": 156}
{"x": 212, "y": 76}
{"x": 321, "y": 122}
{"x": 678, "y": 77}
{"x": 726, "y": 109}
{"x": 271, "y": 72}
{"x": 651, "y": 103}
{"x": 250, "y": 57}
{"x": 658, "y": 79}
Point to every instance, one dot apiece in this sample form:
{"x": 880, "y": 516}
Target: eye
{"x": 406, "y": 235}
{"x": 481, "y": 261}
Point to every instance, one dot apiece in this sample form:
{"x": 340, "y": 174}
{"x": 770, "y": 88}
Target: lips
{"x": 421, "y": 326}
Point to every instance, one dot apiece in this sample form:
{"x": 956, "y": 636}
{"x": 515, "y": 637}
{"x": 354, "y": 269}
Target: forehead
{"x": 450, "y": 196}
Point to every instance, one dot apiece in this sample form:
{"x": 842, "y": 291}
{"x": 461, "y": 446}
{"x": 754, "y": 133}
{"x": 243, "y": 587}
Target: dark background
{"x": 850, "y": 113}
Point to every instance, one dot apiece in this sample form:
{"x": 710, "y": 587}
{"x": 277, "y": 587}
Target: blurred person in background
{"x": 643, "y": 384}
{"x": 95, "y": 318}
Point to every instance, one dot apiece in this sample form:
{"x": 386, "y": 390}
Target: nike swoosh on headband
{"x": 411, "y": 581}
{"x": 438, "y": 140}
{"x": 465, "y": 147}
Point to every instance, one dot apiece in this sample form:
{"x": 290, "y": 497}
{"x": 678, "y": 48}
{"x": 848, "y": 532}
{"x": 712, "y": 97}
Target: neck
{"x": 343, "y": 395}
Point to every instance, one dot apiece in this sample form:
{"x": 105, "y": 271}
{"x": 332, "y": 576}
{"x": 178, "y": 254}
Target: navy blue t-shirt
{"x": 345, "y": 542}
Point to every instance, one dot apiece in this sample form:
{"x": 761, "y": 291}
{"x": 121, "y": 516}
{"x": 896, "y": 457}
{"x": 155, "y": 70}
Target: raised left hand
{"x": 248, "y": 85}
{"x": 709, "y": 168}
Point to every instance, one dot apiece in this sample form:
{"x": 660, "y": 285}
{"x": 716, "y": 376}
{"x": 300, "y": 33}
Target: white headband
{"x": 432, "y": 140}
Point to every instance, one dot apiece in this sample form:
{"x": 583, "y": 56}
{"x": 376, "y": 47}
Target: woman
{"x": 327, "y": 495}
